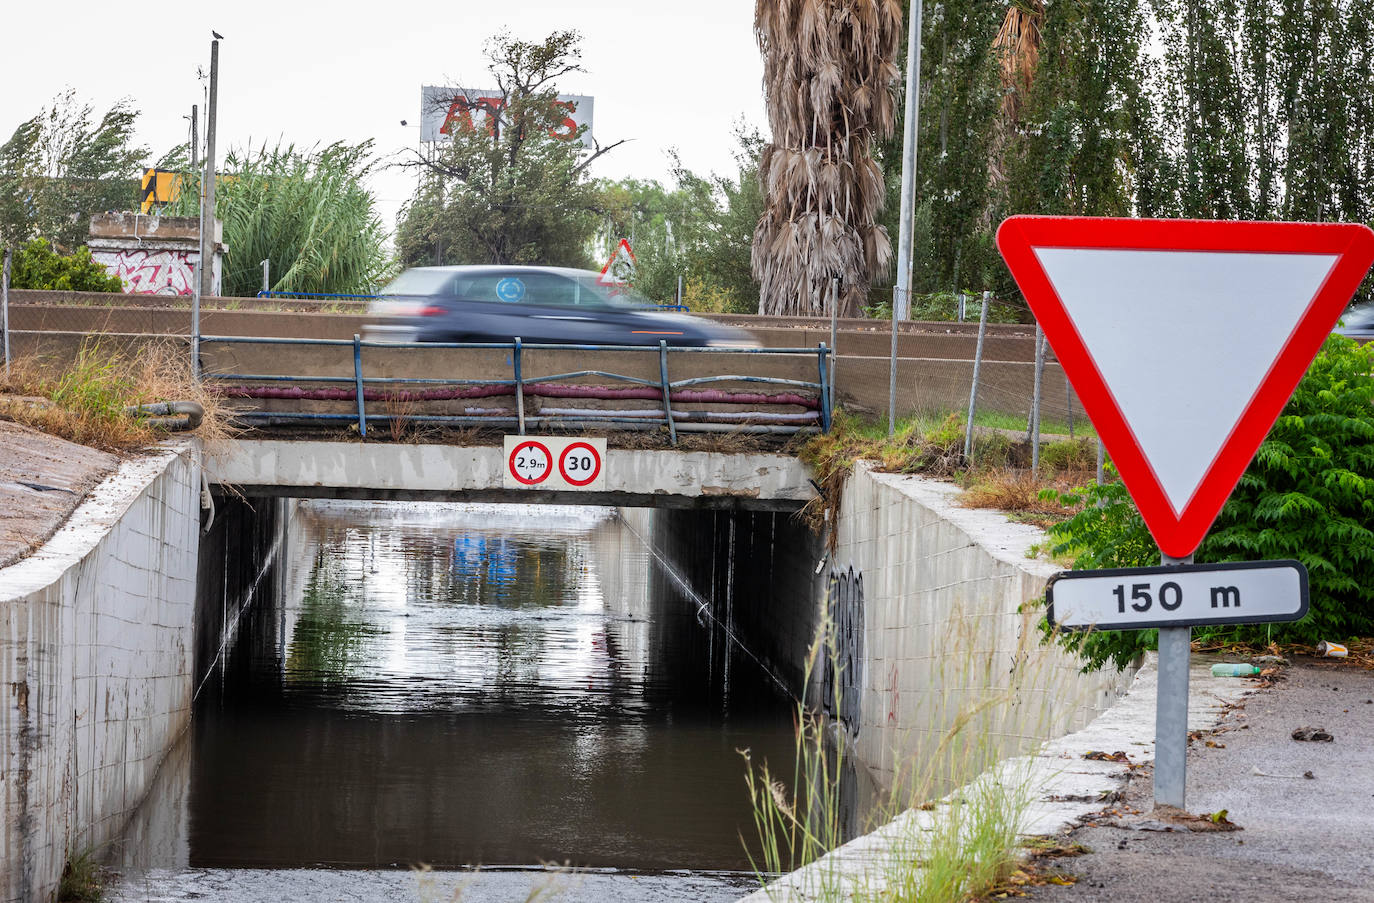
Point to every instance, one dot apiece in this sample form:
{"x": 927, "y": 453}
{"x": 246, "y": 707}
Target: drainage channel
{"x": 463, "y": 702}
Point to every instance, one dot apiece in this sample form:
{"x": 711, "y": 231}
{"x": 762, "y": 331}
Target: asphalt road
{"x": 1301, "y": 839}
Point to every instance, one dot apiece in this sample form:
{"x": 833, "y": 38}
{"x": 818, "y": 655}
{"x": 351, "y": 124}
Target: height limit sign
{"x": 546, "y": 462}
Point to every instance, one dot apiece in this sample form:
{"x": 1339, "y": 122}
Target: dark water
{"x": 465, "y": 685}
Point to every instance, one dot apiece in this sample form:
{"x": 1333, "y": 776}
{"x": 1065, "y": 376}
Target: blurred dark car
{"x": 1358, "y": 323}
{"x": 538, "y": 304}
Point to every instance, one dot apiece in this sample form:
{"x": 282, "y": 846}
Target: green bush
{"x": 1307, "y": 495}
{"x": 37, "y": 265}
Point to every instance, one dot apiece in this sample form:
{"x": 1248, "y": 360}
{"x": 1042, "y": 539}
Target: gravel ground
{"x": 1301, "y": 838}
{"x": 42, "y": 479}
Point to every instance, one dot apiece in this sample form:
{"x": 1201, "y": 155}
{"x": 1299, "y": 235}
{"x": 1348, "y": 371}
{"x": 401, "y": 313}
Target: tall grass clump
{"x": 951, "y": 821}
{"x": 309, "y": 212}
{"x": 93, "y": 400}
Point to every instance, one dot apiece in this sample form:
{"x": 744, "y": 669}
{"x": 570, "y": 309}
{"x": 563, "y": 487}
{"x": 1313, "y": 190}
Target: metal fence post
{"x": 963, "y": 299}
{"x": 973, "y": 391}
{"x": 1101, "y": 461}
{"x": 1068, "y": 398}
{"x": 5, "y": 310}
{"x": 1035, "y": 400}
{"x": 358, "y": 384}
{"x": 267, "y": 275}
{"x": 519, "y": 387}
{"x": 834, "y": 316}
{"x": 666, "y": 388}
{"x": 827, "y": 387}
{"x": 892, "y": 372}
{"x": 195, "y": 317}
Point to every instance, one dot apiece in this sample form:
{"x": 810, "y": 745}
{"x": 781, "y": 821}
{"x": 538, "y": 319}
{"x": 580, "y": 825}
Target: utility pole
{"x": 195, "y": 136}
{"x": 207, "y": 242}
{"x": 901, "y": 301}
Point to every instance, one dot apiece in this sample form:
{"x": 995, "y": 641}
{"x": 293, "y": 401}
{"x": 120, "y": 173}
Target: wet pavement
{"x": 1305, "y": 809}
{"x": 459, "y": 687}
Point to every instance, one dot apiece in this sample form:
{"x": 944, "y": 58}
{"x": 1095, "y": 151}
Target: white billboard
{"x": 444, "y": 111}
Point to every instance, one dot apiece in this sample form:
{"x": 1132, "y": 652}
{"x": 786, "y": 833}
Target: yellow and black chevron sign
{"x": 160, "y": 186}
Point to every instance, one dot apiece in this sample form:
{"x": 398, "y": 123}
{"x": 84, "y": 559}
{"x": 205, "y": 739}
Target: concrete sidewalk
{"x": 1301, "y": 837}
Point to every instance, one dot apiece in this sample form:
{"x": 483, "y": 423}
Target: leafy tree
{"x": 1072, "y": 146}
{"x": 700, "y": 230}
{"x": 1308, "y": 495}
{"x": 309, "y": 212}
{"x": 508, "y": 189}
{"x": 64, "y": 165}
{"x": 37, "y": 265}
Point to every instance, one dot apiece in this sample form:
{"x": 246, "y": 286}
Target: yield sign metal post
{"x": 1171, "y": 710}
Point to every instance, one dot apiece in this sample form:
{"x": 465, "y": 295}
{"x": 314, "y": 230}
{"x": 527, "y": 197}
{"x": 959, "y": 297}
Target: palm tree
{"x": 829, "y": 71}
{"x": 1017, "y": 50}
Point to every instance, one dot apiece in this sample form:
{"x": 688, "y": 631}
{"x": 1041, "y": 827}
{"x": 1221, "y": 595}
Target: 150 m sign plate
{"x": 1186, "y": 595}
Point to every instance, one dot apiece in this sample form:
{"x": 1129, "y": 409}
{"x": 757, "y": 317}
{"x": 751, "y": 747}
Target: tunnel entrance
{"x": 494, "y": 685}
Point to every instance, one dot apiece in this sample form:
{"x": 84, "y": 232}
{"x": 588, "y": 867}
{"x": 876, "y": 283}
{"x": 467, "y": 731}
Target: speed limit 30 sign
{"x": 555, "y": 463}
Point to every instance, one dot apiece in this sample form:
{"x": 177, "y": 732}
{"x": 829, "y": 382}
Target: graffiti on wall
{"x": 151, "y": 272}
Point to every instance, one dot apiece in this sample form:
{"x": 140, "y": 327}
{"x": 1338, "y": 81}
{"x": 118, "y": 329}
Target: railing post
{"x": 827, "y": 387}
{"x": 666, "y": 388}
{"x": 5, "y": 310}
{"x": 358, "y": 383}
{"x": 834, "y": 344}
{"x": 973, "y": 390}
{"x": 1037, "y": 399}
{"x": 892, "y": 372}
{"x": 519, "y": 387}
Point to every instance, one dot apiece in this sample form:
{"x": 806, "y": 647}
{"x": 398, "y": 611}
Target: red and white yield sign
{"x": 1184, "y": 339}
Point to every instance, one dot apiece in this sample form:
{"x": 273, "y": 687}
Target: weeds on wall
{"x": 93, "y": 400}
{"x": 951, "y": 822}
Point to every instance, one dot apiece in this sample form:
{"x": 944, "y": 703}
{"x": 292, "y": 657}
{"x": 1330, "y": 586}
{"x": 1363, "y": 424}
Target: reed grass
{"x": 953, "y": 817}
{"x": 308, "y": 212}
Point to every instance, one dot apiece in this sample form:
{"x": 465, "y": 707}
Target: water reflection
{"x": 462, "y": 685}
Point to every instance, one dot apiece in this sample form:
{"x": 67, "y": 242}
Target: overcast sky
{"x": 666, "y": 75}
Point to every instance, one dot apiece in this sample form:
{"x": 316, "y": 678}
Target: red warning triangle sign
{"x": 620, "y": 269}
{"x": 1184, "y": 339}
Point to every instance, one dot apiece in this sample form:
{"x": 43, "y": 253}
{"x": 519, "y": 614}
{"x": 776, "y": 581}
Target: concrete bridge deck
{"x": 635, "y": 478}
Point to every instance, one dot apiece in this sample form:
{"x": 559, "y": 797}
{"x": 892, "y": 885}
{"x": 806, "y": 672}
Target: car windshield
{"x": 422, "y": 281}
{"x": 614, "y": 295}
{"x": 1359, "y": 317}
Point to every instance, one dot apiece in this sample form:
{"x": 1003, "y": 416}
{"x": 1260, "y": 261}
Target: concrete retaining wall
{"x": 756, "y": 572}
{"x": 95, "y": 666}
{"x": 942, "y": 586}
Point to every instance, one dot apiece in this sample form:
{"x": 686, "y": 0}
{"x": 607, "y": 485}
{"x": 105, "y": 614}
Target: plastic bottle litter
{"x": 1227, "y": 669}
{"x": 1332, "y": 650}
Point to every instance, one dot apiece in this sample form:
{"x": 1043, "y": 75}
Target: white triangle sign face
{"x": 620, "y": 269}
{"x": 1184, "y": 339}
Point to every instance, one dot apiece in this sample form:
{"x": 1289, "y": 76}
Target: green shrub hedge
{"x": 1307, "y": 495}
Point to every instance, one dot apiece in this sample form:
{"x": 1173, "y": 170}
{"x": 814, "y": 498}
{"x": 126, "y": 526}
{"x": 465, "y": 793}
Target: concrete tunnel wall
{"x": 756, "y": 571}
{"x": 106, "y": 632}
{"x": 84, "y": 723}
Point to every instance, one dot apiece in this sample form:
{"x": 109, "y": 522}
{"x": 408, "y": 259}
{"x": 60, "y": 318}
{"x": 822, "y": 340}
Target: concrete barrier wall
{"x": 941, "y": 627}
{"x": 96, "y": 648}
{"x": 754, "y": 570}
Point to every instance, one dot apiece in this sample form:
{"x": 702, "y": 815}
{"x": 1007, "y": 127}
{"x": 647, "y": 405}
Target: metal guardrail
{"x": 315, "y": 295}
{"x": 520, "y": 387}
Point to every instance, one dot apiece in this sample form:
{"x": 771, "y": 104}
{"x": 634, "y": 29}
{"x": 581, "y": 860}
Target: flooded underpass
{"x": 518, "y": 689}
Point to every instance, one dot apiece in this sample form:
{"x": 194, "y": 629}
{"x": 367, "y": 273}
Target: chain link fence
{"x": 989, "y": 365}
